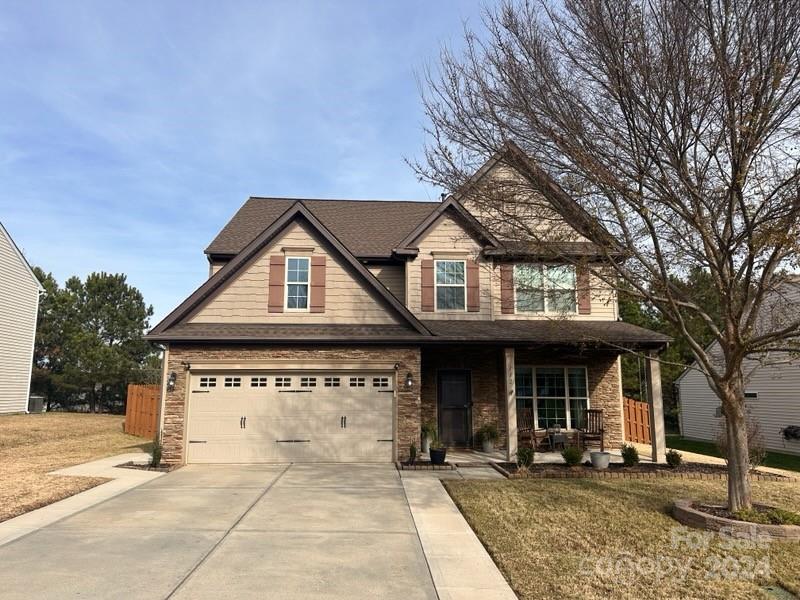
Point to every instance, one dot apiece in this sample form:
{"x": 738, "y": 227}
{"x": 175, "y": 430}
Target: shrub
{"x": 674, "y": 458}
{"x": 772, "y": 516}
{"x": 573, "y": 455}
{"x": 524, "y": 457}
{"x": 428, "y": 430}
{"x": 155, "y": 459}
{"x": 630, "y": 455}
{"x": 488, "y": 433}
{"x": 755, "y": 443}
{"x": 412, "y": 453}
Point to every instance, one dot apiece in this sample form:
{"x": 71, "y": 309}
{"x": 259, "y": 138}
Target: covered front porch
{"x": 548, "y": 395}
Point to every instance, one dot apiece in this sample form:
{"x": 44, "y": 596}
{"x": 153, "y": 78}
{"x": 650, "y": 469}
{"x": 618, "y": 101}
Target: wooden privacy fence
{"x": 141, "y": 410}
{"x": 637, "y": 421}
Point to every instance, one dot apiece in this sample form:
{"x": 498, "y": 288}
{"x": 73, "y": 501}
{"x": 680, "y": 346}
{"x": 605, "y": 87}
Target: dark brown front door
{"x": 455, "y": 399}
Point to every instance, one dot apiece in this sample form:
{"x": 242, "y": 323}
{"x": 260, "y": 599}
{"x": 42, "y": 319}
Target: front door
{"x": 455, "y": 399}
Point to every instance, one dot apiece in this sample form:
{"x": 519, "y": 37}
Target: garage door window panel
{"x": 233, "y": 382}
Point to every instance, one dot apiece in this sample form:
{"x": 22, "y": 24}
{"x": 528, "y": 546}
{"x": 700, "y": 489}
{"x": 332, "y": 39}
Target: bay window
{"x": 558, "y": 396}
{"x": 544, "y": 288}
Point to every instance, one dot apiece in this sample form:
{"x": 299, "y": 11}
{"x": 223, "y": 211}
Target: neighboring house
{"x": 331, "y": 330}
{"x": 19, "y": 307}
{"x": 772, "y": 388}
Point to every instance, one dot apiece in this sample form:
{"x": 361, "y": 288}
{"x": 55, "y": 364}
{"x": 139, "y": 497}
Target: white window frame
{"x": 545, "y": 289}
{"x": 286, "y": 284}
{"x": 437, "y": 285}
{"x": 534, "y": 397}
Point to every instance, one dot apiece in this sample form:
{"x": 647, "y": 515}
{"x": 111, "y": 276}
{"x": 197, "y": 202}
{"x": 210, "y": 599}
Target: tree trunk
{"x": 93, "y": 401}
{"x": 739, "y": 495}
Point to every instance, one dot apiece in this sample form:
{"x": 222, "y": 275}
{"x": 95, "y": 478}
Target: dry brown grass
{"x": 547, "y": 536}
{"x": 33, "y": 445}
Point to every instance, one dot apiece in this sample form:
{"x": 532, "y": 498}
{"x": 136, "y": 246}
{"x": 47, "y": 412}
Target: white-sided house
{"x": 19, "y": 307}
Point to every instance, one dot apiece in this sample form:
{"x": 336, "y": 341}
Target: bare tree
{"x": 675, "y": 124}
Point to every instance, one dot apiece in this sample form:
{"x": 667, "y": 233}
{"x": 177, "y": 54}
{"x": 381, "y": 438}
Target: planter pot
{"x": 438, "y": 455}
{"x": 600, "y": 460}
{"x": 487, "y": 446}
{"x": 426, "y": 445}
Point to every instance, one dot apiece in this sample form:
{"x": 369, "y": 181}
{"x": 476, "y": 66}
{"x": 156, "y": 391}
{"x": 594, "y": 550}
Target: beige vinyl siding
{"x": 244, "y": 299}
{"x": 603, "y": 297}
{"x": 778, "y": 403}
{"x": 393, "y": 277}
{"x": 19, "y": 304}
{"x": 446, "y": 239}
{"x": 510, "y": 201}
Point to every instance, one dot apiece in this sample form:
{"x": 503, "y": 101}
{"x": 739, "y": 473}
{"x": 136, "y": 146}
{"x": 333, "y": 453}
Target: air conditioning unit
{"x": 35, "y": 404}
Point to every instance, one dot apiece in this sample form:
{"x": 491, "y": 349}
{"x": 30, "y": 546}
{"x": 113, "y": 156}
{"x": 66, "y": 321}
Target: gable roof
{"x": 368, "y": 228}
{"x": 462, "y": 214}
{"x": 297, "y": 211}
{"x": 564, "y": 204}
{"x": 21, "y": 256}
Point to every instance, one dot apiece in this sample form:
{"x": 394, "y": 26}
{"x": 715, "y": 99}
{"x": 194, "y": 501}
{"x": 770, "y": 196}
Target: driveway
{"x": 300, "y": 531}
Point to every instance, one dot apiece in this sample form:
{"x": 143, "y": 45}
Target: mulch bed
{"x": 163, "y": 468}
{"x": 423, "y": 465}
{"x": 688, "y": 470}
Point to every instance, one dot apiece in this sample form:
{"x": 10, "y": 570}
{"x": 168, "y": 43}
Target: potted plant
{"x": 438, "y": 452}
{"x": 487, "y": 436}
{"x": 428, "y": 435}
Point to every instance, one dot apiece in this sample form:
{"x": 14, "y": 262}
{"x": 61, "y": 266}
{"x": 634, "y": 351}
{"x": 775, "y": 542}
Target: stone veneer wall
{"x": 488, "y": 397}
{"x": 408, "y": 401}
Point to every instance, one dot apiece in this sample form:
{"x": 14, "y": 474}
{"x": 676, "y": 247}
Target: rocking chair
{"x": 593, "y": 430}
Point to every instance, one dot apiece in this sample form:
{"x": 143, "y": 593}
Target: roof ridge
{"x": 383, "y": 200}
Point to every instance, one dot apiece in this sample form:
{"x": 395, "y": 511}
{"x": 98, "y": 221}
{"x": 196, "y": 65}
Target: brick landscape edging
{"x": 686, "y": 514}
{"x": 605, "y": 474}
{"x": 423, "y": 467}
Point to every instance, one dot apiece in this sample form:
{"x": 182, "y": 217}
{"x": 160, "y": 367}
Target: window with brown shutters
{"x": 427, "y": 285}
{"x": 277, "y": 265}
{"x": 317, "y": 284}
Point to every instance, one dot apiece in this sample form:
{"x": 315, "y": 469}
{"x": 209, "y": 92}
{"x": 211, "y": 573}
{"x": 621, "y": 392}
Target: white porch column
{"x": 511, "y": 403}
{"x": 658, "y": 439}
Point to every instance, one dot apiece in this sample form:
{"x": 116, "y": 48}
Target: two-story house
{"x": 331, "y": 330}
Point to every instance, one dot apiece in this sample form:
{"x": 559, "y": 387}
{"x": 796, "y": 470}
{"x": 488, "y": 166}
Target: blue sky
{"x": 132, "y": 131}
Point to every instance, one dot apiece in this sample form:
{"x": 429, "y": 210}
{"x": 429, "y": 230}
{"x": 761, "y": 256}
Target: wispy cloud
{"x": 132, "y": 131}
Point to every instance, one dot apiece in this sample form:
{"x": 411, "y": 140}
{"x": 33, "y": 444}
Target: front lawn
{"x": 776, "y": 460}
{"x": 33, "y": 445}
{"x": 589, "y": 538}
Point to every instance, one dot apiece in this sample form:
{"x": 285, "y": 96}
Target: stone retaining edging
{"x": 686, "y": 514}
{"x": 610, "y": 474}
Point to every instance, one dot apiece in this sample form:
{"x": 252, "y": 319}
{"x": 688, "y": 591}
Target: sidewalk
{"x": 459, "y": 564}
{"x": 121, "y": 481}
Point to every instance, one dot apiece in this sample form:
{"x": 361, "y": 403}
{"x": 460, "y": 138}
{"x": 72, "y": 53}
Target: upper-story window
{"x": 451, "y": 284}
{"x": 297, "y": 270}
{"x": 544, "y": 288}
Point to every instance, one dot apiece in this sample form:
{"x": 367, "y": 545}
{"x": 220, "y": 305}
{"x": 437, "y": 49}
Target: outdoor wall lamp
{"x": 409, "y": 380}
{"x": 171, "y": 381}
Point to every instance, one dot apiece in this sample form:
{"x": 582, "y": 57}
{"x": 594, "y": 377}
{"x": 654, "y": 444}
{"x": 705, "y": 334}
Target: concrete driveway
{"x": 302, "y": 531}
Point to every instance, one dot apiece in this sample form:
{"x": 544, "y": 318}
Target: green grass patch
{"x": 776, "y": 460}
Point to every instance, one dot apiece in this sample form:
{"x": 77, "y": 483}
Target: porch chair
{"x": 593, "y": 430}
{"x": 527, "y": 432}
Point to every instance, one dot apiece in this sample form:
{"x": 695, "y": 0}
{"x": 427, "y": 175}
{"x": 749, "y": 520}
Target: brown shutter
{"x": 317, "y": 284}
{"x": 584, "y": 292}
{"x": 473, "y": 287}
{"x": 507, "y": 289}
{"x": 427, "y": 285}
{"x": 277, "y": 274}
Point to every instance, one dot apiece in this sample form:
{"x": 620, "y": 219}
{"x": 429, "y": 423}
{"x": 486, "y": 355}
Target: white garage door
{"x": 292, "y": 416}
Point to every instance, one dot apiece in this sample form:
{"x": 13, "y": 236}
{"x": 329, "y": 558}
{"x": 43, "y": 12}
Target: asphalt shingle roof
{"x": 366, "y": 227}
